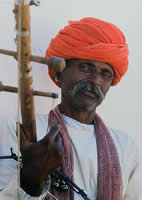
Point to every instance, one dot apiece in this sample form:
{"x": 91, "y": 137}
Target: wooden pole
{"x": 23, "y": 39}
{"x": 7, "y": 88}
{"x": 54, "y": 62}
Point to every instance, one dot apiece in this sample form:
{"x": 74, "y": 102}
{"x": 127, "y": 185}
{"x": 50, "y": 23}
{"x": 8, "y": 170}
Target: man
{"x": 103, "y": 162}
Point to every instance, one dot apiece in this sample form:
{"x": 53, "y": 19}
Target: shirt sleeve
{"x": 10, "y": 189}
{"x": 134, "y": 186}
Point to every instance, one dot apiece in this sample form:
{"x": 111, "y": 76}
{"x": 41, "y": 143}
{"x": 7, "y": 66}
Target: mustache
{"x": 84, "y": 86}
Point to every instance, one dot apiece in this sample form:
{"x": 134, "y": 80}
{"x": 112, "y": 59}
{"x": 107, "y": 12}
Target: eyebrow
{"x": 90, "y": 63}
{"x": 108, "y": 71}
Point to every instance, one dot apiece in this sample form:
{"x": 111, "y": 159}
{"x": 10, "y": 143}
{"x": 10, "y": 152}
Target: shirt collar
{"x": 76, "y": 124}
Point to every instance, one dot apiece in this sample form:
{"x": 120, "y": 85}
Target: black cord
{"x": 72, "y": 185}
{"x": 63, "y": 180}
{"x": 12, "y": 156}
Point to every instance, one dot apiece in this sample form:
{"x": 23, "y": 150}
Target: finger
{"x": 58, "y": 141}
{"x": 59, "y": 145}
{"x": 52, "y": 134}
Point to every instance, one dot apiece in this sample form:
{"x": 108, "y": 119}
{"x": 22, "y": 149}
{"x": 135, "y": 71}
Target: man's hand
{"x": 40, "y": 158}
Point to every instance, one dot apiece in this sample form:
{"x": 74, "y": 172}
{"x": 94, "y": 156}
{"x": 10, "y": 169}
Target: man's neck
{"x": 81, "y": 116}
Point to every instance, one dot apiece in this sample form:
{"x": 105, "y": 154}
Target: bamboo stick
{"x": 7, "y": 88}
{"x": 25, "y": 90}
{"x": 53, "y": 62}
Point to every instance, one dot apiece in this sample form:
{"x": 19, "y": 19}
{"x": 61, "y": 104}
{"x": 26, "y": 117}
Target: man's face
{"x": 84, "y": 83}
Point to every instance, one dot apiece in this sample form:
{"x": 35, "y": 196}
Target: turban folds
{"x": 91, "y": 39}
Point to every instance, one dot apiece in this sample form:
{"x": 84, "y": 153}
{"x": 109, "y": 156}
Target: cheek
{"x": 70, "y": 79}
{"x": 67, "y": 84}
{"x": 106, "y": 88}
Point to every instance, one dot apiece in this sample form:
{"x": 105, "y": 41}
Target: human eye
{"x": 107, "y": 74}
{"x": 85, "y": 67}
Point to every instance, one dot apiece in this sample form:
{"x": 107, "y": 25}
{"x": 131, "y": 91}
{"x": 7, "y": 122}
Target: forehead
{"x": 100, "y": 65}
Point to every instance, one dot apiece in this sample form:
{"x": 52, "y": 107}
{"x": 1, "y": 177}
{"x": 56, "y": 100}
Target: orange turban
{"x": 91, "y": 39}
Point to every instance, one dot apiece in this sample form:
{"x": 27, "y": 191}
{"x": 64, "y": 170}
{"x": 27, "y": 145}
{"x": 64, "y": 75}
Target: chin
{"x": 82, "y": 107}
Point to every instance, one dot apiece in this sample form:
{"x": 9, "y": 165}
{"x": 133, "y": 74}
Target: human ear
{"x": 58, "y": 76}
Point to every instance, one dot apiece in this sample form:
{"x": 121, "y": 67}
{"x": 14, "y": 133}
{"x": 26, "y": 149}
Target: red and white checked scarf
{"x": 109, "y": 171}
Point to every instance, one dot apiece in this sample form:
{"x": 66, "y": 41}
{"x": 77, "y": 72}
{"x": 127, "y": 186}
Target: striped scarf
{"x": 109, "y": 178}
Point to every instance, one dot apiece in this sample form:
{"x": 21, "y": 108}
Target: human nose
{"x": 96, "y": 78}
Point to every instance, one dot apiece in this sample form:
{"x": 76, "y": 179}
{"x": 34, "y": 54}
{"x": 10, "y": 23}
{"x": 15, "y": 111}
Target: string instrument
{"x": 24, "y": 58}
{"x": 25, "y": 90}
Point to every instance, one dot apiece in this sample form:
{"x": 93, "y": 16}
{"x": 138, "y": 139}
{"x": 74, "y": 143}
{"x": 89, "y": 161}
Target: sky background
{"x": 122, "y": 107}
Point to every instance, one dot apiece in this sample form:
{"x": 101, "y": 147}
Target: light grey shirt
{"x": 85, "y": 160}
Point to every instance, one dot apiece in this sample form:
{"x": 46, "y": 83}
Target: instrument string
{"x": 20, "y": 2}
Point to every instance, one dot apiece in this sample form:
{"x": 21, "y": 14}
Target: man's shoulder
{"x": 125, "y": 143}
{"x": 41, "y": 125}
{"x": 40, "y": 118}
{"x": 121, "y": 137}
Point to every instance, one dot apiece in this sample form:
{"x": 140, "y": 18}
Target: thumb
{"x": 23, "y": 139}
{"x": 51, "y": 135}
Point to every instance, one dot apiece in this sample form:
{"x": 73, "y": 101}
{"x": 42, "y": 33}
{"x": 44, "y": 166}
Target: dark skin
{"x": 42, "y": 157}
{"x": 97, "y": 73}
{"x": 39, "y": 159}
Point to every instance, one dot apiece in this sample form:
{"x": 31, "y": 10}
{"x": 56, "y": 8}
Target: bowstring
{"x": 20, "y": 2}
